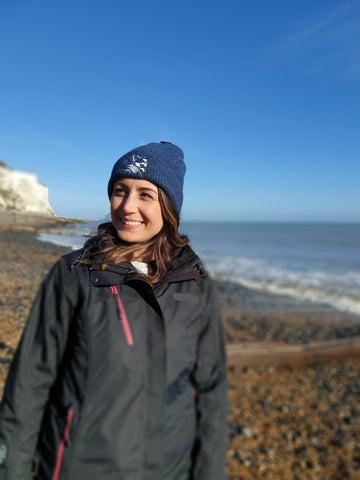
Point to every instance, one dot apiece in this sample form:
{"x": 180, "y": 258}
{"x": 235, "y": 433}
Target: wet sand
{"x": 291, "y": 421}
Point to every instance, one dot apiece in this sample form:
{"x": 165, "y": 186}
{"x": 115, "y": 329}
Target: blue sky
{"x": 263, "y": 97}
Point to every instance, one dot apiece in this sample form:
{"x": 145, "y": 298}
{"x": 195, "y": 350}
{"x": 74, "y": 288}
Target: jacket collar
{"x": 186, "y": 265}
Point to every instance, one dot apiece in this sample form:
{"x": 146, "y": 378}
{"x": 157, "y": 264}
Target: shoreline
{"x": 36, "y": 220}
{"x": 235, "y": 297}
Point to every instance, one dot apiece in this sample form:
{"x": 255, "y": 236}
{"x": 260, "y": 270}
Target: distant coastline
{"x": 12, "y": 220}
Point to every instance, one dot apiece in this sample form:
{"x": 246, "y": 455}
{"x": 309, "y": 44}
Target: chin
{"x": 131, "y": 238}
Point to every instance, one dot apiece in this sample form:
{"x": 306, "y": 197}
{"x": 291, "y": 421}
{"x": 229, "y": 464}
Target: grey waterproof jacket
{"x": 115, "y": 380}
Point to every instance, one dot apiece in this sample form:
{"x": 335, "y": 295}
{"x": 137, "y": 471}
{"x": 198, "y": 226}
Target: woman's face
{"x": 135, "y": 210}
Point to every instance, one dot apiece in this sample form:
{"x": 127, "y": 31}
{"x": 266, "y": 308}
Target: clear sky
{"x": 263, "y": 97}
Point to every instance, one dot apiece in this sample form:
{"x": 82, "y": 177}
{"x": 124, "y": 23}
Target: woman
{"x": 121, "y": 370}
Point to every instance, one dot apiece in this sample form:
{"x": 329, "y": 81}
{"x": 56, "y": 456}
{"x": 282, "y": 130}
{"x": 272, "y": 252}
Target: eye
{"x": 146, "y": 195}
{"x": 118, "y": 190}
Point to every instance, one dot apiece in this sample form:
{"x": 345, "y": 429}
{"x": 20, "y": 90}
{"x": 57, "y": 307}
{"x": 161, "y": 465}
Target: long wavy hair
{"x": 106, "y": 248}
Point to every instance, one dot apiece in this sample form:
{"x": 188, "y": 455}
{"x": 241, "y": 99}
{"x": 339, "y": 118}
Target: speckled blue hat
{"x": 160, "y": 163}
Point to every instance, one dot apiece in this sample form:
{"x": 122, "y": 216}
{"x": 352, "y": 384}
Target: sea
{"x": 316, "y": 262}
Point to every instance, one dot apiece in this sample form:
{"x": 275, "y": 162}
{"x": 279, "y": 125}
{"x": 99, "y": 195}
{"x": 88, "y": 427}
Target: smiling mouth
{"x": 131, "y": 223}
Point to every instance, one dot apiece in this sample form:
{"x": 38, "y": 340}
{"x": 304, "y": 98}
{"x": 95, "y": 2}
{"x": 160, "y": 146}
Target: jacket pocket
{"x": 63, "y": 443}
{"x": 123, "y": 317}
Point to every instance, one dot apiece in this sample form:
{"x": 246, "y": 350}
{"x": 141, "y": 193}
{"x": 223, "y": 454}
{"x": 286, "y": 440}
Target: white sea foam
{"x": 72, "y": 241}
{"x": 72, "y": 236}
{"x": 340, "y": 291}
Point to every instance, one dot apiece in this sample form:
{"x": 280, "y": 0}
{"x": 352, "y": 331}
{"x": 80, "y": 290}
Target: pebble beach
{"x": 285, "y": 421}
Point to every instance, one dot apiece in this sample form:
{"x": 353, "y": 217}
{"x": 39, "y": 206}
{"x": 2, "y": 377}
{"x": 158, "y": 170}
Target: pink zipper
{"x": 124, "y": 320}
{"x": 62, "y": 446}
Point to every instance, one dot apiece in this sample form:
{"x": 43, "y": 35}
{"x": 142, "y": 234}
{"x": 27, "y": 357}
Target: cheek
{"x": 160, "y": 225}
{"x": 159, "y": 218}
{"x": 114, "y": 204}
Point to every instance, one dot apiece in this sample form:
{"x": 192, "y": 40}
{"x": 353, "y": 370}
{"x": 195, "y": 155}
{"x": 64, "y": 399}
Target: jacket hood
{"x": 186, "y": 265}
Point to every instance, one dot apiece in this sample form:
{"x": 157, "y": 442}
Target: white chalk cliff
{"x": 22, "y": 192}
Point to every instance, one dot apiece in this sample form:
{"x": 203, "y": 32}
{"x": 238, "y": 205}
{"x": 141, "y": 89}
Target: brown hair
{"x": 157, "y": 251}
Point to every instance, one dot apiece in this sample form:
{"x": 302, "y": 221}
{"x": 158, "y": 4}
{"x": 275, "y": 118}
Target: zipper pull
{"x": 123, "y": 317}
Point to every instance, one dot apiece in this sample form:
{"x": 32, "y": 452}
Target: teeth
{"x": 133, "y": 223}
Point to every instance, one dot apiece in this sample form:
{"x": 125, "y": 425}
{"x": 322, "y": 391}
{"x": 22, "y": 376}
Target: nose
{"x": 128, "y": 204}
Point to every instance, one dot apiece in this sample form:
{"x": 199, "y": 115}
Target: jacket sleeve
{"x": 210, "y": 379}
{"x": 33, "y": 371}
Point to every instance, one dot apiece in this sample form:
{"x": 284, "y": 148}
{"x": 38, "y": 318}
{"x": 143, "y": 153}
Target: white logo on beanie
{"x": 137, "y": 165}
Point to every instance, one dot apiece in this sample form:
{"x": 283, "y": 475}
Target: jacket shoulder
{"x": 71, "y": 258}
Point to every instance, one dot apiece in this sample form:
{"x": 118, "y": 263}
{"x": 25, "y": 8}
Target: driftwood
{"x": 277, "y": 353}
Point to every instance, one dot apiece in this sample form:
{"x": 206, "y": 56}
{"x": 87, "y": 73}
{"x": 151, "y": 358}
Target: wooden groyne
{"x": 277, "y": 353}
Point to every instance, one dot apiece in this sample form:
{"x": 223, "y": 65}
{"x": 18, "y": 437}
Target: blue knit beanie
{"x": 160, "y": 163}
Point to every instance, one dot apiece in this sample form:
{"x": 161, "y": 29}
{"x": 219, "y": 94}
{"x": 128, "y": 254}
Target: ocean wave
{"x": 72, "y": 236}
{"x": 337, "y": 289}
